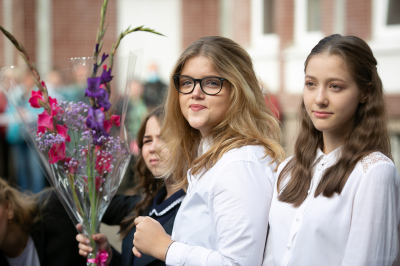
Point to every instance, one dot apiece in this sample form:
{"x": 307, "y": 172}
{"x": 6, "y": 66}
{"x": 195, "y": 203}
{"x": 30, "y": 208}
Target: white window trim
{"x": 380, "y": 30}
{"x": 264, "y": 49}
{"x": 302, "y": 37}
{"x": 257, "y": 32}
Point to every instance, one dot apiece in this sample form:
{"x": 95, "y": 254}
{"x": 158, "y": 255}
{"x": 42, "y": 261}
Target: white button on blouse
{"x": 223, "y": 219}
{"x": 358, "y": 227}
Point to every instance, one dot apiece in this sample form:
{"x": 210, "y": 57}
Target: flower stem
{"x": 34, "y": 71}
{"x": 93, "y": 206}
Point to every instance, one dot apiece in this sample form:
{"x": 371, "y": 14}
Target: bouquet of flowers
{"x": 83, "y": 147}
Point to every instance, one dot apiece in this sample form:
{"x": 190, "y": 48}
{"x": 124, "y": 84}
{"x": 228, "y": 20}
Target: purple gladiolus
{"x": 106, "y": 76}
{"x": 95, "y": 66}
{"x": 103, "y": 58}
{"x": 102, "y": 100}
{"x": 93, "y": 87}
{"x": 95, "y": 122}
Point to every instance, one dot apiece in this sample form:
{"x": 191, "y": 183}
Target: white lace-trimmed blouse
{"x": 223, "y": 219}
{"x": 358, "y": 227}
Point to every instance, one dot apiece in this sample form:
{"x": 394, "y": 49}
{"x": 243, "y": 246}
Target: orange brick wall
{"x": 284, "y": 27}
{"x": 23, "y": 28}
{"x": 328, "y": 7}
{"x": 75, "y": 24}
{"x": 284, "y": 19}
{"x": 199, "y": 18}
{"x": 241, "y": 22}
{"x": 358, "y": 18}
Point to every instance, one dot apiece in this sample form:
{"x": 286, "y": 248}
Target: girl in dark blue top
{"x": 156, "y": 198}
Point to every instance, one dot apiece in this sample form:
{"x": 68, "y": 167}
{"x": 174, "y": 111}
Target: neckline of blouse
{"x": 333, "y": 155}
{"x": 204, "y": 145}
{"x": 159, "y": 209}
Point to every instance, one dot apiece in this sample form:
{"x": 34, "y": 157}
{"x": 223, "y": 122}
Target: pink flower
{"x": 103, "y": 163}
{"x": 35, "y": 96}
{"x": 45, "y": 120}
{"x": 72, "y": 166}
{"x": 41, "y": 129}
{"x": 62, "y": 130}
{"x": 57, "y": 153}
{"x": 99, "y": 181}
{"x": 114, "y": 120}
{"x": 54, "y": 106}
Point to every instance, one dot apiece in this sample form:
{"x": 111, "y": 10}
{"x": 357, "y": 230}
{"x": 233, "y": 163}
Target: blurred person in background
{"x": 137, "y": 109}
{"x": 27, "y": 168}
{"x": 54, "y": 84}
{"x": 135, "y": 114}
{"x": 154, "y": 88}
{"x": 156, "y": 198}
{"x": 4, "y": 146}
{"x": 35, "y": 230}
{"x": 272, "y": 101}
{"x": 75, "y": 90}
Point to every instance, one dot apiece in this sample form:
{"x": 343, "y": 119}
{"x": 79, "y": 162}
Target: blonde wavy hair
{"x": 24, "y": 206}
{"x": 248, "y": 120}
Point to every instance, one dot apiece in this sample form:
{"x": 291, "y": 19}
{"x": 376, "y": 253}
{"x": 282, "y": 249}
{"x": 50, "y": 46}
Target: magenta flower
{"x": 99, "y": 181}
{"x": 62, "y": 130}
{"x": 54, "y": 106}
{"x": 35, "y": 96}
{"x": 103, "y": 162}
{"x": 45, "y": 121}
{"x": 114, "y": 120}
{"x": 72, "y": 165}
{"x": 57, "y": 153}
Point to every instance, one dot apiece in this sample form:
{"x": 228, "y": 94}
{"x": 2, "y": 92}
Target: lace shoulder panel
{"x": 373, "y": 158}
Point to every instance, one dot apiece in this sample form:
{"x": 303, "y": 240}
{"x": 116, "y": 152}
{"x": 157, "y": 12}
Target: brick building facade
{"x": 73, "y": 25}
{"x": 278, "y": 34}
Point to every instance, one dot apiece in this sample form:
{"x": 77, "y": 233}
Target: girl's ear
{"x": 9, "y": 210}
{"x": 366, "y": 93}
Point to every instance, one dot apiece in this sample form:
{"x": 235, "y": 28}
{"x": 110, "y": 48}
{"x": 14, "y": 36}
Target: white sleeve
{"x": 374, "y": 235}
{"x": 239, "y": 206}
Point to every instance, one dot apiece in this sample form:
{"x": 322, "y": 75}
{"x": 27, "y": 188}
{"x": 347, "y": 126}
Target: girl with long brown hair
{"x": 224, "y": 142}
{"x": 337, "y": 200}
{"x": 155, "y": 197}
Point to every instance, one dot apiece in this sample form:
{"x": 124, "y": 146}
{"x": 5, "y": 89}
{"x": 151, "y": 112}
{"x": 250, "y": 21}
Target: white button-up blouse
{"x": 223, "y": 219}
{"x": 358, "y": 227}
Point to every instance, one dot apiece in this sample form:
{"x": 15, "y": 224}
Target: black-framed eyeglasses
{"x": 209, "y": 85}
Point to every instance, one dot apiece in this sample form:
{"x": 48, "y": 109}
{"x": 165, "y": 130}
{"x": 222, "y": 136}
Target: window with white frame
{"x": 314, "y": 15}
{"x": 269, "y": 25}
{"x": 393, "y": 15}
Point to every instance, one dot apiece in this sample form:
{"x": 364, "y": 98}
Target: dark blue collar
{"x": 160, "y": 206}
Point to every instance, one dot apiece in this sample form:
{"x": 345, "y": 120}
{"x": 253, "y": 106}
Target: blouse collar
{"x": 161, "y": 207}
{"x": 332, "y": 156}
{"x": 204, "y": 146}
